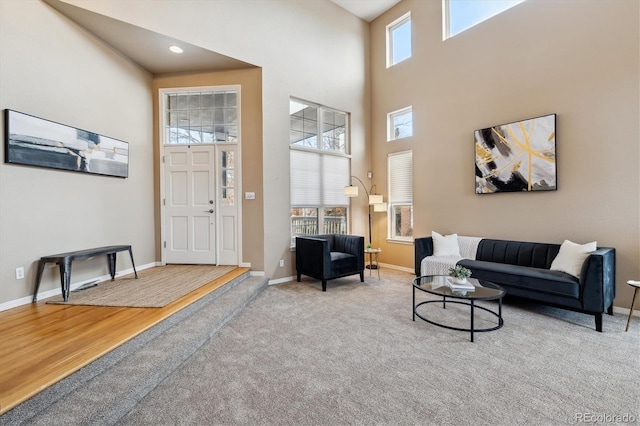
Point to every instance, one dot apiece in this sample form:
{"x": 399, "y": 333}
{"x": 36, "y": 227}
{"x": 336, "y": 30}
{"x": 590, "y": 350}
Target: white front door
{"x": 190, "y": 204}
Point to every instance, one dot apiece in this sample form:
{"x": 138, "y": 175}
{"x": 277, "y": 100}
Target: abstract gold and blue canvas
{"x": 517, "y": 157}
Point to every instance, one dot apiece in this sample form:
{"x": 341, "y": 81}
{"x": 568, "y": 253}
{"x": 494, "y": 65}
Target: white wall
{"x": 312, "y": 50}
{"x": 51, "y": 68}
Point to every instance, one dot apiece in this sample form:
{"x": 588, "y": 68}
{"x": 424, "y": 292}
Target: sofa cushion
{"x": 571, "y": 257}
{"x": 445, "y": 245}
{"x": 534, "y": 279}
{"x": 536, "y": 255}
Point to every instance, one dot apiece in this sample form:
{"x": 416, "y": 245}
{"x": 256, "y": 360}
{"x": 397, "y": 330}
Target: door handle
{"x": 209, "y": 211}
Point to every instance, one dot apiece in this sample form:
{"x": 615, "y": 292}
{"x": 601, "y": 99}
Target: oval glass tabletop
{"x": 442, "y": 285}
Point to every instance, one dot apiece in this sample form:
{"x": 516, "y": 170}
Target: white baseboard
{"x": 54, "y": 292}
{"x": 245, "y": 264}
{"x": 625, "y": 311}
{"x": 256, "y": 273}
{"x": 282, "y": 280}
{"x": 397, "y": 268}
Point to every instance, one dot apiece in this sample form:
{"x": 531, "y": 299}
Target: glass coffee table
{"x": 440, "y": 285}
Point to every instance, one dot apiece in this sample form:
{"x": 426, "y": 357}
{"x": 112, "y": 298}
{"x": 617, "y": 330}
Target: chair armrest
{"x": 598, "y": 280}
{"x": 313, "y": 257}
{"x": 422, "y": 248}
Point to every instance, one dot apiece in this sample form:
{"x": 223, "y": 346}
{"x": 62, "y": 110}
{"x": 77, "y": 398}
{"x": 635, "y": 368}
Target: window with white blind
{"x": 319, "y": 169}
{"x": 400, "y": 175}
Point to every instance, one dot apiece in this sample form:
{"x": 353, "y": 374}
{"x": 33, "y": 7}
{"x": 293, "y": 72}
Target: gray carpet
{"x": 352, "y": 355}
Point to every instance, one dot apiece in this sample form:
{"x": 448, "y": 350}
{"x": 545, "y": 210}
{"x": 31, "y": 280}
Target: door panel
{"x": 228, "y": 239}
{"x": 190, "y": 204}
{"x": 179, "y": 232}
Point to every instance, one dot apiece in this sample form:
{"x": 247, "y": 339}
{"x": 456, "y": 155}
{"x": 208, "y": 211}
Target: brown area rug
{"x": 154, "y": 288}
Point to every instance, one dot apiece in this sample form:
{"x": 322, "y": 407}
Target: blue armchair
{"x": 325, "y": 257}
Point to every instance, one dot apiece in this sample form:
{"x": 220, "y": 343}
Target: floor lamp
{"x": 373, "y": 199}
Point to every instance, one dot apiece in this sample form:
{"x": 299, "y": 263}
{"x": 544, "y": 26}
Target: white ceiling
{"x": 367, "y": 9}
{"x": 150, "y": 49}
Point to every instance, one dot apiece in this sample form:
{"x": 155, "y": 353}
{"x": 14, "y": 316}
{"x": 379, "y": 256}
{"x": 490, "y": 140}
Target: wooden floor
{"x": 42, "y": 344}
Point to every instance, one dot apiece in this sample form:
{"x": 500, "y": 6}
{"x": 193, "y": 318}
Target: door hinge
{"x": 164, "y": 201}
{"x": 163, "y": 158}
{"x": 165, "y": 244}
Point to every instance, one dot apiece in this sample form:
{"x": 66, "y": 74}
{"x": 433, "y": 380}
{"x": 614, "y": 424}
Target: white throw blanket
{"x": 439, "y": 265}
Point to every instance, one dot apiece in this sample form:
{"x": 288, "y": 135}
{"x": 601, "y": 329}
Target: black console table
{"x": 64, "y": 262}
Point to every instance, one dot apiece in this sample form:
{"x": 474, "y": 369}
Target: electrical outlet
{"x": 281, "y": 263}
{"x": 19, "y": 273}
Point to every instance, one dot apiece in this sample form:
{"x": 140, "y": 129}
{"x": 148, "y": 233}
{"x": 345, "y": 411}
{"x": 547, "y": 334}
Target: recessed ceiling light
{"x": 176, "y": 49}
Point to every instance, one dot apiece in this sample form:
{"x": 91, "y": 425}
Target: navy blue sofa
{"x": 329, "y": 256}
{"x": 522, "y": 269}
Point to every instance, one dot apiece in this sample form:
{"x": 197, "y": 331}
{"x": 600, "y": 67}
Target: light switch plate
{"x": 249, "y": 195}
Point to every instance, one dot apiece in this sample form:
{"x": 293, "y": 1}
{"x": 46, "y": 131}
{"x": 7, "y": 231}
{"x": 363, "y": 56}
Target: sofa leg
{"x": 598, "y": 322}
{"x": 362, "y": 276}
{"x": 298, "y": 277}
{"x": 324, "y": 285}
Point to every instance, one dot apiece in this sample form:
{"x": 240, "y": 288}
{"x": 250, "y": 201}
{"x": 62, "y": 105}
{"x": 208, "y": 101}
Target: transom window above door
{"x": 201, "y": 117}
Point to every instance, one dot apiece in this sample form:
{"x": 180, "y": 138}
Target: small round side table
{"x": 374, "y": 262}
{"x": 636, "y": 285}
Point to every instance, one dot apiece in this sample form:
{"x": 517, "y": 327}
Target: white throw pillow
{"x": 571, "y": 257}
{"x": 445, "y": 245}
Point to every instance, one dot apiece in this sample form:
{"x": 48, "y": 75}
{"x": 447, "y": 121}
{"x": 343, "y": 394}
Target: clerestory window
{"x": 460, "y": 15}
{"x": 400, "y": 124}
{"x": 399, "y": 40}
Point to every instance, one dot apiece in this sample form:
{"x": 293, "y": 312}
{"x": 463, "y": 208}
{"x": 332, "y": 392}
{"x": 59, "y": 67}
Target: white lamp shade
{"x": 380, "y": 207}
{"x": 351, "y": 191}
{"x": 375, "y": 199}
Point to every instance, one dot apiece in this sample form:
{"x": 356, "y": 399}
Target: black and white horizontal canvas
{"x": 38, "y": 142}
{"x": 517, "y": 157}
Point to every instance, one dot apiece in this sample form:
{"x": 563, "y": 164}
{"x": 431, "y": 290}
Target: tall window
{"x": 460, "y": 15}
{"x": 319, "y": 168}
{"x": 400, "y": 172}
{"x": 399, "y": 40}
{"x": 400, "y": 124}
{"x": 201, "y": 117}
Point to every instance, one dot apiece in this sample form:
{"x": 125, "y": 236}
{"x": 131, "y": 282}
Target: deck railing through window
{"x": 305, "y": 225}
{"x": 335, "y": 225}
